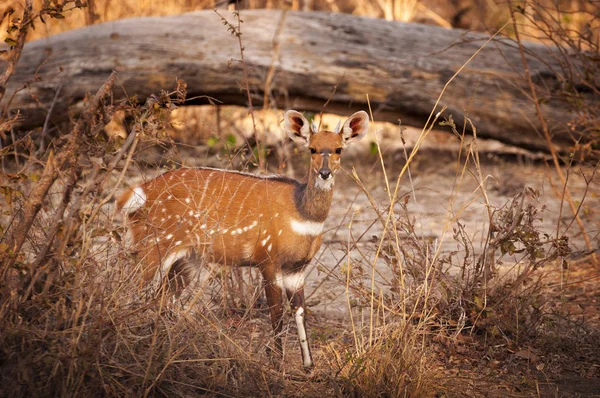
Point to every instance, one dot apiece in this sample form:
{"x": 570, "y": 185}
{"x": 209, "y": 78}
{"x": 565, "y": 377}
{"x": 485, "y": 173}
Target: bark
{"x": 402, "y": 68}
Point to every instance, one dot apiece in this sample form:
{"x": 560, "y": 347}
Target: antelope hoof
{"x": 309, "y": 368}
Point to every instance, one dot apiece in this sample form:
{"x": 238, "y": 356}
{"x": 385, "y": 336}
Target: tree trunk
{"x": 316, "y": 56}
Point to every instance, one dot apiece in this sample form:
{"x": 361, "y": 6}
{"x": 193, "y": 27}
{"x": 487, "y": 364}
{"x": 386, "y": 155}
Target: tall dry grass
{"x": 77, "y": 322}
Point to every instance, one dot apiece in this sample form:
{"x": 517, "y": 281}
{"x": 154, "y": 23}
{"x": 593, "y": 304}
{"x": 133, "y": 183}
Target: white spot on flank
{"x": 163, "y": 219}
{"x": 164, "y": 210}
{"x": 188, "y": 200}
{"x": 135, "y": 201}
{"x": 170, "y": 236}
{"x": 245, "y": 229}
{"x": 239, "y": 230}
{"x": 234, "y": 232}
{"x": 177, "y": 243}
{"x": 202, "y": 226}
{"x": 191, "y": 213}
{"x": 264, "y": 241}
{"x": 212, "y": 231}
{"x": 280, "y": 231}
{"x": 169, "y": 197}
{"x": 307, "y": 227}
{"x": 247, "y": 251}
{"x": 276, "y": 214}
{"x": 270, "y": 247}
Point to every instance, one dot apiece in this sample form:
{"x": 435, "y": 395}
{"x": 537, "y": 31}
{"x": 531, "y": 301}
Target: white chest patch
{"x": 307, "y": 227}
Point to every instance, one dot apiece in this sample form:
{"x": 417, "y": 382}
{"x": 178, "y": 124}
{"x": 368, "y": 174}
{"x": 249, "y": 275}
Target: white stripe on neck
{"x": 307, "y": 227}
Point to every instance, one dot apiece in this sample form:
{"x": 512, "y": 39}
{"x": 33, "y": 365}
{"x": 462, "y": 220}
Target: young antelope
{"x": 273, "y": 223}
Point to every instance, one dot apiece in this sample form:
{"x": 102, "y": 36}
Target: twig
{"x": 274, "y": 57}
{"x": 53, "y": 165}
{"x": 15, "y": 54}
{"x": 47, "y": 120}
{"x": 237, "y": 32}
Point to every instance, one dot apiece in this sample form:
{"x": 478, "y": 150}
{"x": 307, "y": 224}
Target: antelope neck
{"x": 312, "y": 202}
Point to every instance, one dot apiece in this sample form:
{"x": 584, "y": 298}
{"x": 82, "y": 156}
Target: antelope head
{"x": 325, "y": 146}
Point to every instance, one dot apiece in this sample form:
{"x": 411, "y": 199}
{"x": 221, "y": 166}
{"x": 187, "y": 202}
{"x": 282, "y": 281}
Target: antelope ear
{"x": 297, "y": 127}
{"x": 355, "y": 127}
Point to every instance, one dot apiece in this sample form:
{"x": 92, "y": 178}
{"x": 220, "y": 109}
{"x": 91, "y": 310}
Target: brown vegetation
{"x": 483, "y": 319}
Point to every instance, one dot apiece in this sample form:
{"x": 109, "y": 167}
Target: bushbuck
{"x": 231, "y": 218}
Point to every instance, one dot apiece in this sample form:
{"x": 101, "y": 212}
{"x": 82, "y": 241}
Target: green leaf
{"x": 212, "y": 141}
{"x": 373, "y": 148}
{"x": 230, "y": 140}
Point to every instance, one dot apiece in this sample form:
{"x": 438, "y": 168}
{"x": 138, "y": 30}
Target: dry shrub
{"x": 395, "y": 364}
{"x": 75, "y": 321}
{"x": 417, "y": 294}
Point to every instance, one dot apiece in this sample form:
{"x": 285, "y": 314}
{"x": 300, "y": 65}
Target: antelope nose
{"x": 325, "y": 174}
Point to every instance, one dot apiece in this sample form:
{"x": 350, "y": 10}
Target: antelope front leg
{"x": 274, "y": 301}
{"x": 299, "y": 308}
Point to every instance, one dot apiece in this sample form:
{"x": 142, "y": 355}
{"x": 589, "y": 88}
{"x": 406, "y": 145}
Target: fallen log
{"x": 313, "y": 58}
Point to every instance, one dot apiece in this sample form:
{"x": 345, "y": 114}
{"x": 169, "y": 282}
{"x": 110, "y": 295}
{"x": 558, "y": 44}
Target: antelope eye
{"x": 313, "y": 150}
{"x": 338, "y": 151}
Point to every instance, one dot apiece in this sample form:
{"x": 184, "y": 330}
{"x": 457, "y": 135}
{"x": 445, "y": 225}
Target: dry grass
{"x": 76, "y": 320}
